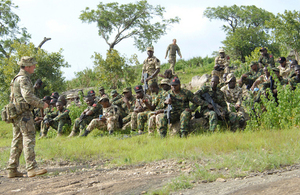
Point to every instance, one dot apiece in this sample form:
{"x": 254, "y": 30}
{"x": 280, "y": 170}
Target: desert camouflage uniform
{"x": 150, "y": 65}
{"x": 139, "y": 103}
{"x": 172, "y": 55}
{"x": 211, "y": 115}
{"x": 180, "y": 102}
{"x": 223, "y": 62}
{"x": 124, "y": 111}
{"x": 23, "y": 125}
{"x": 284, "y": 71}
{"x": 80, "y": 127}
{"x": 59, "y": 119}
{"x": 266, "y": 60}
{"x": 144, "y": 116}
{"x": 111, "y": 114}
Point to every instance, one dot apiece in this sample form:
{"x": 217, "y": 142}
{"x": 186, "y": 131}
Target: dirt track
{"x": 68, "y": 179}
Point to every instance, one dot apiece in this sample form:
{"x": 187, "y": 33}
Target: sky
{"x": 195, "y": 34}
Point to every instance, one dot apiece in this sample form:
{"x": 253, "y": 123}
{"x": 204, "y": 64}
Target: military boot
{"x": 86, "y": 132}
{"x": 14, "y": 173}
{"x": 72, "y": 134}
{"x": 36, "y": 171}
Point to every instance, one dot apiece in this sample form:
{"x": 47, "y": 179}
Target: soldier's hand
{"x": 168, "y": 101}
{"x": 125, "y": 99}
{"x": 209, "y": 106}
{"x": 158, "y": 112}
{"x": 45, "y": 105}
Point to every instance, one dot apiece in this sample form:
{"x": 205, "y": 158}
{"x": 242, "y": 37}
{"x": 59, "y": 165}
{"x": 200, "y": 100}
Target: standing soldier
{"x": 115, "y": 96}
{"x": 23, "y": 98}
{"x": 151, "y": 68}
{"x": 265, "y": 59}
{"x": 221, "y": 64}
{"x": 172, "y": 55}
{"x": 109, "y": 121}
{"x": 56, "y": 120}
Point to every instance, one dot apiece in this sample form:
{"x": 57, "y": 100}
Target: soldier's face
{"x": 175, "y": 87}
{"x": 150, "y": 53}
{"x": 222, "y": 54}
{"x": 30, "y": 69}
{"x": 214, "y": 82}
{"x": 165, "y": 87}
{"x": 127, "y": 94}
{"x": 232, "y": 83}
{"x": 105, "y": 104}
{"x": 89, "y": 101}
{"x": 59, "y": 106}
{"x": 140, "y": 95}
{"x": 254, "y": 67}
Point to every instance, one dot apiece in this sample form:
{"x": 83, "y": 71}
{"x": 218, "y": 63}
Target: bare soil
{"x": 97, "y": 178}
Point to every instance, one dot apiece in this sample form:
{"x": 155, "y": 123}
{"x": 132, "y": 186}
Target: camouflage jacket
{"x": 96, "y": 108}
{"x": 173, "y": 48}
{"x": 267, "y": 60}
{"x": 150, "y": 65}
{"x": 217, "y": 96}
{"x": 112, "y": 112}
{"x": 123, "y": 107}
{"x": 252, "y": 75}
{"x": 57, "y": 115}
{"x": 232, "y": 96}
{"x": 140, "y": 103}
{"x": 284, "y": 71}
{"x": 181, "y": 100}
{"x": 22, "y": 90}
{"x": 222, "y": 61}
{"x": 268, "y": 83}
{"x": 119, "y": 96}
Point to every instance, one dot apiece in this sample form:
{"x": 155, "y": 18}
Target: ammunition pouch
{"x": 11, "y": 111}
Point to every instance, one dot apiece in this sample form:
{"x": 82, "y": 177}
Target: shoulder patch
{"x": 271, "y": 56}
{"x": 228, "y": 57}
{"x": 94, "y": 105}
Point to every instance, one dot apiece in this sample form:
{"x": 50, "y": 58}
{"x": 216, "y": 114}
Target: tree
{"x": 129, "y": 20}
{"x": 9, "y": 29}
{"x": 245, "y": 29}
{"x": 286, "y": 30}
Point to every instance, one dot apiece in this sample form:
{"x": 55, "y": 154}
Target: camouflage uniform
{"x": 211, "y": 115}
{"x": 134, "y": 115}
{"x": 180, "y": 102}
{"x": 111, "y": 114}
{"x": 284, "y": 71}
{"x": 172, "y": 55}
{"x": 223, "y": 62}
{"x": 59, "y": 119}
{"x": 124, "y": 111}
{"x": 267, "y": 60}
{"x": 23, "y": 125}
{"x": 150, "y": 65}
{"x": 294, "y": 82}
{"x": 119, "y": 96}
{"x": 80, "y": 126}
{"x": 252, "y": 76}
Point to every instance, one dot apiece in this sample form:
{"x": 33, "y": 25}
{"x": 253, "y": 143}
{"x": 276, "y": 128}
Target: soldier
{"x": 233, "y": 97}
{"x": 115, "y": 96}
{"x": 265, "y": 59}
{"x": 108, "y": 121}
{"x": 168, "y": 75}
{"x": 92, "y": 111}
{"x": 151, "y": 67}
{"x": 172, "y": 55}
{"x": 102, "y": 92}
{"x": 38, "y": 116}
{"x": 54, "y": 95}
{"x": 221, "y": 64}
{"x": 23, "y": 98}
{"x": 179, "y": 100}
{"x": 142, "y": 104}
{"x": 251, "y": 76}
{"x": 62, "y": 99}
{"x": 56, "y": 120}
{"x": 37, "y": 86}
{"x": 126, "y": 105}
{"x": 261, "y": 79}
{"x": 219, "y": 111}
{"x": 283, "y": 68}
{"x": 296, "y": 79}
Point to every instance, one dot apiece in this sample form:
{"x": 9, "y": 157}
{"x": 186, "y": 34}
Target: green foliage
{"x": 129, "y": 20}
{"x": 245, "y": 29}
{"x": 10, "y": 30}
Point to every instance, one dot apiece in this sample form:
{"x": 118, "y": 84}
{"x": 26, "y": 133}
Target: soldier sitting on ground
{"x": 115, "y": 96}
{"x": 38, "y": 116}
{"x": 91, "y": 112}
{"x": 261, "y": 79}
{"x": 249, "y": 78}
{"x": 108, "y": 121}
{"x": 56, "y": 120}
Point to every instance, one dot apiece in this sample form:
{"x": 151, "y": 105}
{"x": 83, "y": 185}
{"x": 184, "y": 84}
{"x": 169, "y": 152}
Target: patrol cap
{"x": 127, "y": 89}
{"x": 281, "y": 59}
{"x": 253, "y": 63}
{"x": 221, "y": 50}
{"x": 113, "y": 92}
{"x": 275, "y": 69}
{"x": 53, "y": 101}
{"x": 229, "y": 77}
{"x": 27, "y": 61}
{"x": 263, "y": 49}
{"x": 150, "y": 49}
{"x": 101, "y": 88}
{"x": 46, "y": 98}
{"x": 138, "y": 88}
{"x": 165, "y": 82}
{"x": 175, "y": 81}
{"x": 91, "y": 92}
{"x": 102, "y": 98}
{"x": 54, "y": 95}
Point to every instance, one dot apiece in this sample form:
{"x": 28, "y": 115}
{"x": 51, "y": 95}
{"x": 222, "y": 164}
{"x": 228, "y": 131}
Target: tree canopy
{"x": 129, "y": 20}
{"x": 245, "y": 29}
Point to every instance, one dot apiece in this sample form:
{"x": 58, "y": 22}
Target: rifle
{"x": 145, "y": 76}
{"x": 218, "y": 67}
{"x": 47, "y": 121}
{"x": 82, "y": 116}
{"x": 208, "y": 98}
{"x": 168, "y": 110}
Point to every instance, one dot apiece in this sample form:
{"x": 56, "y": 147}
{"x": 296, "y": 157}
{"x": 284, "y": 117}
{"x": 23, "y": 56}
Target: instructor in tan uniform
{"x": 172, "y": 55}
{"x": 24, "y": 100}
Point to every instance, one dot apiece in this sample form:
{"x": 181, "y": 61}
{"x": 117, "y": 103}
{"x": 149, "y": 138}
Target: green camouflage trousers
{"x": 142, "y": 118}
{"x": 57, "y": 125}
{"x": 172, "y": 62}
{"x": 162, "y": 122}
{"x": 23, "y": 139}
{"x": 80, "y": 127}
{"x": 218, "y": 73}
{"x": 109, "y": 125}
